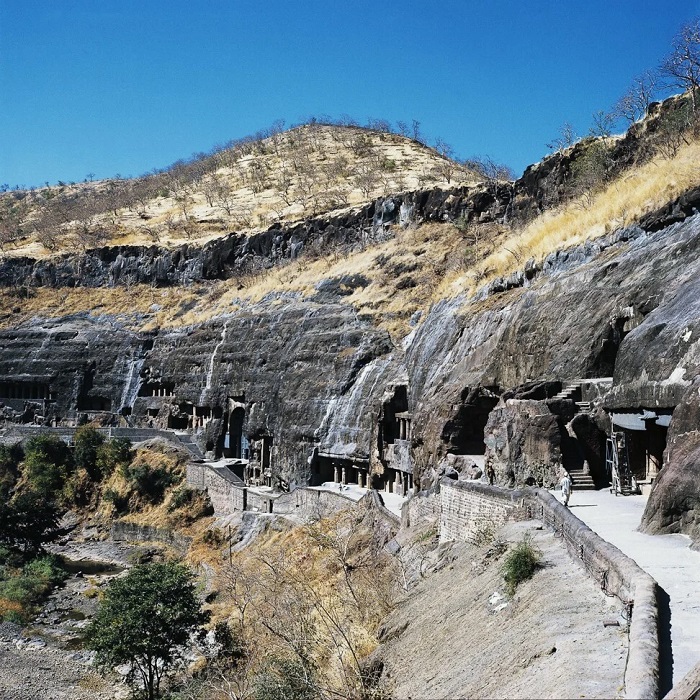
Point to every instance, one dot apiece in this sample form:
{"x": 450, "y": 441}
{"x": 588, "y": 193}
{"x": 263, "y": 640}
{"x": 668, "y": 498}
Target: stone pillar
{"x": 336, "y": 475}
{"x": 408, "y": 428}
{"x": 343, "y": 477}
{"x": 402, "y": 429}
{"x": 360, "y": 480}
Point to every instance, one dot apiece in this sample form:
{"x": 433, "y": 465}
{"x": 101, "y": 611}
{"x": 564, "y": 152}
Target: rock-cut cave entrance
{"x": 234, "y": 442}
{"x": 640, "y": 441}
{"x": 463, "y": 433}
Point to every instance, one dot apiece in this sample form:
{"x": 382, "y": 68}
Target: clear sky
{"x": 125, "y": 86}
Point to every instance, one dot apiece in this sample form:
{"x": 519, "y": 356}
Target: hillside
{"x": 496, "y": 329}
{"x": 283, "y": 176}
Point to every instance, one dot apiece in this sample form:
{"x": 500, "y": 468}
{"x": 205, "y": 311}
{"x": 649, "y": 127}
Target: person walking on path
{"x": 566, "y": 486}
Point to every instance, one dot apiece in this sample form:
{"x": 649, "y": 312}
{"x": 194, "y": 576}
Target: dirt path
{"x": 456, "y": 635}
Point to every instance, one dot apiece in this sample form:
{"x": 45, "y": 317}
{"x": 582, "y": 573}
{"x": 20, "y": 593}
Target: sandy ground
{"x": 668, "y": 558}
{"x": 456, "y": 635}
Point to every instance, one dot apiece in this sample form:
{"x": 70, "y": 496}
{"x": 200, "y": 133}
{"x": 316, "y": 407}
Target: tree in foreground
{"x": 145, "y": 620}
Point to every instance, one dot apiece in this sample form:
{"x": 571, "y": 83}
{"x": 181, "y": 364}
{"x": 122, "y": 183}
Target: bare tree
{"x": 633, "y": 105}
{"x": 566, "y": 138}
{"x": 603, "y": 123}
{"x": 682, "y": 66}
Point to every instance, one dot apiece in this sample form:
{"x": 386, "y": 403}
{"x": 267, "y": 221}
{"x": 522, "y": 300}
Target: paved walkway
{"x": 667, "y": 558}
{"x": 392, "y": 501}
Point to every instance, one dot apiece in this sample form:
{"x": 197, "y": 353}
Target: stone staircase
{"x": 187, "y": 441}
{"x": 569, "y": 391}
{"x": 582, "y": 481}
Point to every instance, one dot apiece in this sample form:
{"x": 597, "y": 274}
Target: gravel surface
{"x": 32, "y": 670}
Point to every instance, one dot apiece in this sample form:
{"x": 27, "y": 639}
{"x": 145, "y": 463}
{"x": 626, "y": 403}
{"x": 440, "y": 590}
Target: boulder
{"x": 523, "y": 444}
{"x": 674, "y": 502}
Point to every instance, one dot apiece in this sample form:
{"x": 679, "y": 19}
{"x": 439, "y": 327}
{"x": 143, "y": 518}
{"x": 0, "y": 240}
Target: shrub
{"x": 22, "y": 589}
{"x": 183, "y": 496}
{"x": 150, "y": 482}
{"x": 47, "y": 464}
{"x": 285, "y": 678}
{"x": 112, "y": 454}
{"x": 520, "y": 564}
{"x": 87, "y": 444}
{"x": 10, "y": 457}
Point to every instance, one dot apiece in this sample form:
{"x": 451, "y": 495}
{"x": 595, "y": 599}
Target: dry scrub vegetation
{"x": 304, "y": 602}
{"x": 283, "y": 176}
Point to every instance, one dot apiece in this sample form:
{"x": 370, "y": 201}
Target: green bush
{"x": 87, "y": 443}
{"x": 10, "y": 458}
{"x": 183, "y": 496}
{"x": 29, "y": 585}
{"x": 119, "y": 501}
{"x": 520, "y": 564}
{"x": 149, "y": 482}
{"x": 112, "y": 454}
{"x": 47, "y": 464}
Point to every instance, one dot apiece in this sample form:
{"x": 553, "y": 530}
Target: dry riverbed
{"x": 46, "y": 660}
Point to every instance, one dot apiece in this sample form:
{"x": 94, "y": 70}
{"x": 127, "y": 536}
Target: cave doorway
{"x": 394, "y": 421}
{"x": 463, "y": 434}
{"x": 235, "y": 442}
{"x": 322, "y": 470}
{"x": 644, "y": 436}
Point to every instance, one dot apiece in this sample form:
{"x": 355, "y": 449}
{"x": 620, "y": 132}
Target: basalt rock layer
{"x": 310, "y": 388}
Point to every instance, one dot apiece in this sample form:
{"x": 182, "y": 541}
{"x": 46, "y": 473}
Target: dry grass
{"x": 288, "y": 590}
{"x": 299, "y": 173}
{"x": 621, "y": 203}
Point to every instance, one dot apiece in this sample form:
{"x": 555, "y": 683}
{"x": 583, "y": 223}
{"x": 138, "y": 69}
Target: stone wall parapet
{"x": 463, "y": 503}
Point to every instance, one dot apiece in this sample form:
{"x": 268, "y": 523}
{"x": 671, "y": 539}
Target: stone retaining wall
{"x": 463, "y": 503}
{"x": 228, "y": 497}
{"x": 131, "y": 532}
{"x": 425, "y": 505}
{"x": 225, "y": 497}
{"x": 466, "y": 507}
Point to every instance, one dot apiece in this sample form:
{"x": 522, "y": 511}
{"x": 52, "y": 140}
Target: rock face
{"x": 298, "y": 375}
{"x": 523, "y": 445}
{"x": 674, "y": 502}
{"x": 55, "y": 369}
{"x": 308, "y": 390}
{"x": 237, "y": 254}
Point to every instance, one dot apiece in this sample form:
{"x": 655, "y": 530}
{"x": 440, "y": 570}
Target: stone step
{"x": 582, "y": 481}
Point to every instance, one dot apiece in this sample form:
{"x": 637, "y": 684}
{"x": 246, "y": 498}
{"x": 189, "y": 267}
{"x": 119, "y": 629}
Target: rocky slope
{"x": 547, "y": 641}
{"x": 308, "y": 382}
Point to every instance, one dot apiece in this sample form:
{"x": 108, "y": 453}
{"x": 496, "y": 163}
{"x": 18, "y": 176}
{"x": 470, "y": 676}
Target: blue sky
{"x": 125, "y": 86}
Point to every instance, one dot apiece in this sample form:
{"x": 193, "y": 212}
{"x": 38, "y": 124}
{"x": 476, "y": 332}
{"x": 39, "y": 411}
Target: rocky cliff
{"x": 305, "y": 386}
